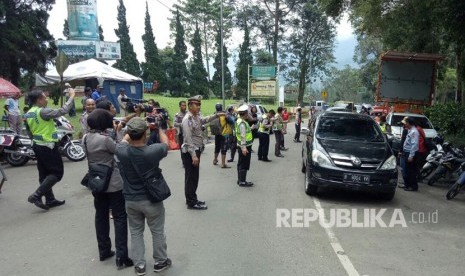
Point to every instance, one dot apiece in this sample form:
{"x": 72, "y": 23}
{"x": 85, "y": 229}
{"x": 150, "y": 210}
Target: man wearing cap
{"x": 264, "y": 135}
{"x": 244, "y": 142}
{"x": 137, "y": 162}
{"x": 122, "y": 105}
{"x": 191, "y": 150}
{"x": 97, "y": 93}
{"x": 410, "y": 152}
{"x": 41, "y": 126}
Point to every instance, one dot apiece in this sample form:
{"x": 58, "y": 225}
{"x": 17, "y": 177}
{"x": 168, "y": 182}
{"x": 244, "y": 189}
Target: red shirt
{"x": 285, "y": 116}
{"x": 421, "y": 140}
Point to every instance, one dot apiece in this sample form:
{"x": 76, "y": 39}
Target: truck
{"x": 406, "y": 81}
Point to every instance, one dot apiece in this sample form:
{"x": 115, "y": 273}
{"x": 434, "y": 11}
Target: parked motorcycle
{"x": 458, "y": 185}
{"x": 18, "y": 148}
{"x": 432, "y": 162}
{"x": 448, "y": 166}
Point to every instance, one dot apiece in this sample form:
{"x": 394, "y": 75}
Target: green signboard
{"x": 263, "y": 72}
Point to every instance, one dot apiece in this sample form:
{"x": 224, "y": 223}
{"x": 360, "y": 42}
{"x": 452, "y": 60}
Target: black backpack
{"x": 215, "y": 127}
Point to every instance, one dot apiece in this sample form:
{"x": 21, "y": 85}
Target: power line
{"x": 163, "y": 4}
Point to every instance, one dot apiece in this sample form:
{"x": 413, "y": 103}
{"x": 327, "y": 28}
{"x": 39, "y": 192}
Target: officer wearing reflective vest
{"x": 244, "y": 142}
{"x": 42, "y": 128}
{"x": 264, "y": 135}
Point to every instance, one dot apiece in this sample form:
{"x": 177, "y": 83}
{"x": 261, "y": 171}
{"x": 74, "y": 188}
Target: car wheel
{"x": 310, "y": 190}
{"x": 388, "y": 196}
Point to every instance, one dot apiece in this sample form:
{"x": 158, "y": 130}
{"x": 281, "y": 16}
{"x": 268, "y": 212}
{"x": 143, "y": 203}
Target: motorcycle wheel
{"x": 425, "y": 173}
{"x": 74, "y": 153}
{"x": 453, "y": 191}
{"x": 437, "y": 174}
{"x": 16, "y": 160}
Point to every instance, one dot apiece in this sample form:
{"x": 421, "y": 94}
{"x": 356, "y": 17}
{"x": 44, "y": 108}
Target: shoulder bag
{"x": 156, "y": 187}
{"x": 99, "y": 175}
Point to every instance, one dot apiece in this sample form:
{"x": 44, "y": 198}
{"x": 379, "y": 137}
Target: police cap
{"x": 243, "y": 108}
{"x": 195, "y": 99}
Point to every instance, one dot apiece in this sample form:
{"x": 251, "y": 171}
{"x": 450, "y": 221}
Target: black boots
{"x": 242, "y": 176}
{"x": 36, "y": 199}
{"x": 45, "y": 189}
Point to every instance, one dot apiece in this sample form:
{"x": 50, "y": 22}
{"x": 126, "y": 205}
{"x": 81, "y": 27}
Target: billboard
{"x": 108, "y": 50}
{"x": 85, "y": 49}
{"x": 82, "y": 20}
{"x": 80, "y": 49}
{"x": 262, "y": 88}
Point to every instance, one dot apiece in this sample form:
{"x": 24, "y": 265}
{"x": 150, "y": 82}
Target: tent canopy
{"x": 88, "y": 69}
{"x": 110, "y": 78}
{"x": 7, "y": 89}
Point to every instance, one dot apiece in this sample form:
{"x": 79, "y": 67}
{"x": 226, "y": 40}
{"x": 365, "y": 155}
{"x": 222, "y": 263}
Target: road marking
{"x": 337, "y": 247}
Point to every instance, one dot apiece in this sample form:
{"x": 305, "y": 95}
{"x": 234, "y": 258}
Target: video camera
{"x": 131, "y": 103}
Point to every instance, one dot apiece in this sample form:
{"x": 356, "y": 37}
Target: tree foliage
{"x": 308, "y": 47}
{"x": 245, "y": 59}
{"x": 179, "y": 73}
{"x": 198, "y": 83}
{"x": 216, "y": 80}
{"x": 26, "y": 44}
{"x": 128, "y": 61}
{"x": 152, "y": 69}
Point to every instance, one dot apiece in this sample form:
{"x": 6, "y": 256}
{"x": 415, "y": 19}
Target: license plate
{"x": 356, "y": 178}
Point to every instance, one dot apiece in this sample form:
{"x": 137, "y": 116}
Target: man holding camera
{"x": 191, "y": 150}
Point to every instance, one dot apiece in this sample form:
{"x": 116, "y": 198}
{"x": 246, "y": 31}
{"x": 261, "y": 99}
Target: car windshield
{"x": 348, "y": 129}
{"x": 420, "y": 121}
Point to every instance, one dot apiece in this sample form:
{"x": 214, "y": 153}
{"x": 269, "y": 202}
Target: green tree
{"x": 166, "y": 58}
{"x": 128, "y": 61}
{"x": 26, "y": 44}
{"x": 245, "y": 59}
{"x": 179, "y": 71}
{"x": 198, "y": 81}
{"x": 216, "y": 81}
{"x": 308, "y": 49}
{"x": 263, "y": 57}
{"x": 206, "y": 15}
{"x": 66, "y": 29}
{"x": 152, "y": 67}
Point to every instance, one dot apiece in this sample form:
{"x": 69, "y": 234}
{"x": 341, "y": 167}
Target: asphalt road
{"x": 238, "y": 234}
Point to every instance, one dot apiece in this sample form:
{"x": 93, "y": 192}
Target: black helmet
{"x": 219, "y": 107}
{"x": 438, "y": 140}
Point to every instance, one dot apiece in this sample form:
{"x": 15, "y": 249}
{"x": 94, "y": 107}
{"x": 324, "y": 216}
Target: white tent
{"x": 88, "y": 69}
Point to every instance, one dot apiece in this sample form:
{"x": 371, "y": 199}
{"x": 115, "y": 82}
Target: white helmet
{"x": 243, "y": 108}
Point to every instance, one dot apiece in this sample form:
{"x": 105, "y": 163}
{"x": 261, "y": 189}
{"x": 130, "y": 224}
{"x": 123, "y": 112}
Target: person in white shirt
{"x": 14, "y": 114}
{"x": 122, "y": 105}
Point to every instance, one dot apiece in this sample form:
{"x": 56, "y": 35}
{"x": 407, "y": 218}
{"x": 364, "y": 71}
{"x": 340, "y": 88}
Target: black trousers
{"x": 244, "y": 161}
{"x": 191, "y": 178}
{"x": 263, "y": 145}
{"x": 297, "y": 133}
{"x": 50, "y": 167}
{"x": 103, "y": 202}
{"x": 411, "y": 168}
{"x": 279, "y": 141}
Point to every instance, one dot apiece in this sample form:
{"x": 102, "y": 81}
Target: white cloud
{"x": 344, "y": 29}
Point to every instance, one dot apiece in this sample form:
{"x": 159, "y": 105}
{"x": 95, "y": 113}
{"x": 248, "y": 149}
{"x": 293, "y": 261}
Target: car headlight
{"x": 320, "y": 159}
{"x": 389, "y": 164}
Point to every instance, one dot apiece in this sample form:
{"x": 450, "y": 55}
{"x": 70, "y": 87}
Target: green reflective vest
{"x": 383, "y": 128}
{"x": 43, "y": 131}
{"x": 261, "y": 127}
{"x": 248, "y": 135}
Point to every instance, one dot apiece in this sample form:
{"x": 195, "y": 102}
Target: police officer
{"x": 191, "y": 150}
{"x": 244, "y": 143}
{"x": 264, "y": 135}
{"x": 44, "y": 134}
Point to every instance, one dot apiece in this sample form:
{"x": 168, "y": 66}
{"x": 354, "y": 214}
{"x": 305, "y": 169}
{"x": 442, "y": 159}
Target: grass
{"x": 169, "y": 103}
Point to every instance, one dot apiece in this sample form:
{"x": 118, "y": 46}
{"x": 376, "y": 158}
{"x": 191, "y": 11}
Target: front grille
{"x": 346, "y": 162}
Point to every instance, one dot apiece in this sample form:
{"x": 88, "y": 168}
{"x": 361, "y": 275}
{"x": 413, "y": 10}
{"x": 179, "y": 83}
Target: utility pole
{"x": 222, "y": 56}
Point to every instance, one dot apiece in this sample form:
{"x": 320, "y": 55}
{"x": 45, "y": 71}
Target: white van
{"x": 319, "y": 105}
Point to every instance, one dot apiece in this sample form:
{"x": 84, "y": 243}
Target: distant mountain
{"x": 344, "y": 52}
